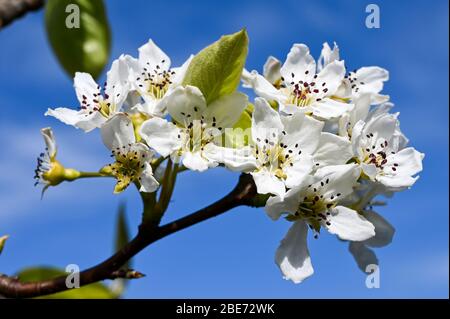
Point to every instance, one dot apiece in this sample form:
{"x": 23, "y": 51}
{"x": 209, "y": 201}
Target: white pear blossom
{"x": 316, "y": 203}
{"x": 301, "y": 88}
{"x": 154, "y": 79}
{"x": 366, "y": 80}
{"x": 97, "y": 104}
{"x": 132, "y": 158}
{"x": 381, "y": 150}
{"x": 196, "y": 126}
{"x": 284, "y": 149}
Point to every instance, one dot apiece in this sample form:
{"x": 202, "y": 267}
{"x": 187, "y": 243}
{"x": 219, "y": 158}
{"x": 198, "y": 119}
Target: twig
{"x": 148, "y": 233}
{"x": 11, "y": 10}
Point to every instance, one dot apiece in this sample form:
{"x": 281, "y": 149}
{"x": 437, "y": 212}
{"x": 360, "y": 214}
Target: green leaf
{"x": 2, "y": 242}
{"x": 217, "y": 69}
{"x": 92, "y": 291}
{"x": 82, "y": 46}
{"x": 241, "y": 133}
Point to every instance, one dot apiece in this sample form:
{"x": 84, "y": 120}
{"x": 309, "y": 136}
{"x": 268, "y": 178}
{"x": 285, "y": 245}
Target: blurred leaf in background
{"x": 2, "y": 242}
{"x": 79, "y": 34}
{"x": 92, "y": 291}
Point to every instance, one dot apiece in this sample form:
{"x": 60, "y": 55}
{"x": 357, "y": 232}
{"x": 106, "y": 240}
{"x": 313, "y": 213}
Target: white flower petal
{"x": 117, "y": 83}
{"x": 363, "y": 255}
{"x": 267, "y": 183}
{"x": 332, "y": 150}
{"x": 185, "y": 103}
{"x": 329, "y": 108}
{"x": 50, "y": 141}
{"x": 341, "y": 179}
{"x": 161, "y": 135}
{"x": 86, "y": 122}
{"x": 347, "y": 224}
{"x": 236, "y": 159}
{"x": 264, "y": 88}
{"x": 84, "y": 85}
{"x": 276, "y": 206}
{"x": 332, "y": 75}
{"x": 180, "y": 72}
{"x": 118, "y": 131}
{"x": 292, "y": 255}
{"x": 300, "y": 63}
{"x": 297, "y": 172}
{"x": 327, "y": 55}
{"x": 150, "y": 53}
{"x": 384, "y": 232}
{"x": 196, "y": 162}
{"x": 227, "y": 109}
{"x": 148, "y": 182}
{"x": 372, "y": 77}
{"x": 302, "y": 130}
{"x": 271, "y": 70}
{"x": 266, "y": 122}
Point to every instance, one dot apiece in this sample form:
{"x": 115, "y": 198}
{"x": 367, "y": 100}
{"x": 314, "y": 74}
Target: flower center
{"x": 99, "y": 103}
{"x": 303, "y": 92}
{"x": 156, "y": 81}
{"x": 378, "y": 155}
{"x": 128, "y": 166}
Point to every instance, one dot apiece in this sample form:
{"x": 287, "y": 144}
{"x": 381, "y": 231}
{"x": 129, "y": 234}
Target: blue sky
{"x": 232, "y": 255}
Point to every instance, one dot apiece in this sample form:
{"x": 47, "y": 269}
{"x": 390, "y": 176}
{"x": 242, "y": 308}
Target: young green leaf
{"x": 217, "y": 69}
{"x": 92, "y": 291}
{"x": 79, "y": 34}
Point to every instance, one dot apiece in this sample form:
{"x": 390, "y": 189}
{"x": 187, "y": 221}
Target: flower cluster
{"x": 321, "y": 143}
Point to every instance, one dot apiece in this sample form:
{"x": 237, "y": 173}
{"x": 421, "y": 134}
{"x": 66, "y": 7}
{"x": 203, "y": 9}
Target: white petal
{"x": 78, "y": 119}
{"x": 347, "y": 224}
{"x": 50, "y": 141}
{"x": 341, "y": 179}
{"x": 186, "y": 103}
{"x": 276, "y": 206}
{"x": 299, "y": 62}
{"x": 271, "y": 69}
{"x": 227, "y": 109}
{"x": 328, "y": 55}
{"x": 84, "y": 85}
{"x": 372, "y": 77}
{"x": 329, "y": 108}
{"x": 152, "y": 54}
{"x": 300, "y": 168}
{"x": 332, "y": 150}
{"x": 236, "y": 159}
{"x": 303, "y": 130}
{"x": 265, "y": 122}
{"x": 332, "y": 75}
{"x": 196, "y": 162}
{"x": 267, "y": 183}
{"x": 265, "y": 89}
{"x": 409, "y": 163}
{"x": 118, "y": 131}
{"x": 148, "y": 182}
{"x": 292, "y": 255}
{"x": 161, "y": 135}
{"x": 180, "y": 72}
{"x": 247, "y": 78}
{"x": 117, "y": 83}
{"x": 384, "y": 232}
{"x": 363, "y": 255}
{"x": 370, "y": 170}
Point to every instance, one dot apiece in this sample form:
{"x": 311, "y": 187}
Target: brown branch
{"x": 11, "y": 10}
{"x": 242, "y": 194}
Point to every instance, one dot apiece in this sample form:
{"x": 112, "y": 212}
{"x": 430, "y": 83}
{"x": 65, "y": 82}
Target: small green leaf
{"x": 79, "y": 34}
{"x": 2, "y": 242}
{"x": 241, "y": 134}
{"x": 217, "y": 69}
{"x": 92, "y": 291}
